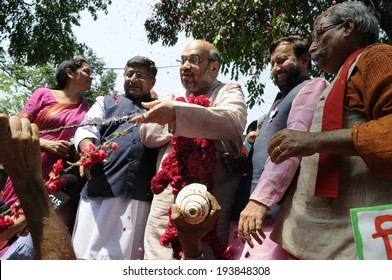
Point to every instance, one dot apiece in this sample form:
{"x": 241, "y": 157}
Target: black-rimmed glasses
{"x": 319, "y": 32}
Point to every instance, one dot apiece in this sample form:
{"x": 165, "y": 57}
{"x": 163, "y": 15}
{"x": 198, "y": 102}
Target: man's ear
{"x": 215, "y": 66}
{"x": 348, "y": 27}
{"x": 153, "y": 81}
{"x": 305, "y": 58}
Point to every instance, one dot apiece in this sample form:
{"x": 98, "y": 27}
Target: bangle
{"x": 200, "y": 257}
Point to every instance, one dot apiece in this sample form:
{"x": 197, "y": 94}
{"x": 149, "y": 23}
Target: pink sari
{"x": 44, "y": 110}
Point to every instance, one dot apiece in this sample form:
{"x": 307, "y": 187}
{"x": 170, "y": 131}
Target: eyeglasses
{"x": 139, "y": 75}
{"x": 319, "y": 32}
{"x": 193, "y": 60}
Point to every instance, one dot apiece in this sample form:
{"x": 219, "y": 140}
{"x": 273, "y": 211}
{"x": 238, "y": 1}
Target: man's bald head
{"x": 204, "y": 48}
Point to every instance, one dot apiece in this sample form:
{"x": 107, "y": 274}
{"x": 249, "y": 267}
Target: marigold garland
{"x": 192, "y": 160}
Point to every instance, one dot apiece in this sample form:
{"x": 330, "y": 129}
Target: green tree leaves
{"x": 37, "y": 36}
{"x": 40, "y": 31}
{"x": 17, "y": 82}
{"x": 243, "y": 30}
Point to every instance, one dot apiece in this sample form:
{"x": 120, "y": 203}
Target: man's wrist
{"x": 200, "y": 256}
{"x": 192, "y": 249}
{"x": 32, "y": 200}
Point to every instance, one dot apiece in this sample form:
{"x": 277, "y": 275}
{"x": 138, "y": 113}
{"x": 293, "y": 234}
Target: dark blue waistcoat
{"x": 275, "y": 121}
{"x": 130, "y": 169}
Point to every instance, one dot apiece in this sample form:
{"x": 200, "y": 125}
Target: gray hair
{"x": 215, "y": 56}
{"x": 366, "y": 22}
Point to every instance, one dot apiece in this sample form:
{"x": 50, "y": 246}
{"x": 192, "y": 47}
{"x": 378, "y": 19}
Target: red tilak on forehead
{"x": 321, "y": 24}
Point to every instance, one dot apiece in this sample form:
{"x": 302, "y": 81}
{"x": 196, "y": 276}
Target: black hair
{"x": 252, "y": 125}
{"x": 61, "y": 75}
{"x": 300, "y": 46}
{"x": 143, "y": 61}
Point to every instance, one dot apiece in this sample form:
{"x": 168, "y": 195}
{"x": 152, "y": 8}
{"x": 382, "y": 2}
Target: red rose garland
{"x": 88, "y": 158}
{"x": 192, "y": 160}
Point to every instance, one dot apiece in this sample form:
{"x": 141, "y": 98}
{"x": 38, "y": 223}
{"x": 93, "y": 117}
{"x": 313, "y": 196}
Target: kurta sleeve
{"x": 373, "y": 84}
{"x": 373, "y": 142}
{"x": 154, "y": 135}
{"x": 95, "y": 114}
{"x": 225, "y": 119}
{"x": 276, "y": 178}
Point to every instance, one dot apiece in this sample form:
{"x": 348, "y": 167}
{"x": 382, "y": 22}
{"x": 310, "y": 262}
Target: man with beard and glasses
{"x": 223, "y": 122}
{"x": 293, "y": 107}
{"x": 347, "y": 155}
{"x": 116, "y": 199}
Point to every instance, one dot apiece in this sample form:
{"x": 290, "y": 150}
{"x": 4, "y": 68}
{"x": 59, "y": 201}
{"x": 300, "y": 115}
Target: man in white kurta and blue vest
{"x": 116, "y": 199}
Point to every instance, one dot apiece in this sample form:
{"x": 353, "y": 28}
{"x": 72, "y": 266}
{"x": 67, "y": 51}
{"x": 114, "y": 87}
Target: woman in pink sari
{"x": 52, "y": 108}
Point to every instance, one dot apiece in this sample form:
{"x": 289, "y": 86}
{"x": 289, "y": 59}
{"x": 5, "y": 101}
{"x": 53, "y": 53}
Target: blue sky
{"x": 120, "y": 34}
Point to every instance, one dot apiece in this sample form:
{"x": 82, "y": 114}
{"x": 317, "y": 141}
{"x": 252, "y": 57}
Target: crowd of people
{"x": 284, "y": 191}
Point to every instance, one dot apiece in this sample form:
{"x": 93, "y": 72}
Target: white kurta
{"x": 110, "y": 228}
{"x": 107, "y": 227}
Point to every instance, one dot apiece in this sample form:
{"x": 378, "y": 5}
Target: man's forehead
{"x": 191, "y": 54}
{"x": 194, "y": 52}
{"x": 284, "y": 47}
{"x": 323, "y": 21}
{"x": 283, "y": 50}
{"x": 137, "y": 69}
{"x": 195, "y": 49}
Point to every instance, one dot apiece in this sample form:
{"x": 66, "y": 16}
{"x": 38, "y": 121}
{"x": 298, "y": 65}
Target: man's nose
{"x": 313, "y": 47}
{"x": 134, "y": 78}
{"x": 275, "y": 68}
{"x": 186, "y": 64}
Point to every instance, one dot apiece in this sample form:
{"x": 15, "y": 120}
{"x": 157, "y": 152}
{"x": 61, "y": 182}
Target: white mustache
{"x": 315, "y": 56}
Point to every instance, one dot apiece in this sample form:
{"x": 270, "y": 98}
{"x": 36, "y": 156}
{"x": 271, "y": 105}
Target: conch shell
{"x": 193, "y": 203}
